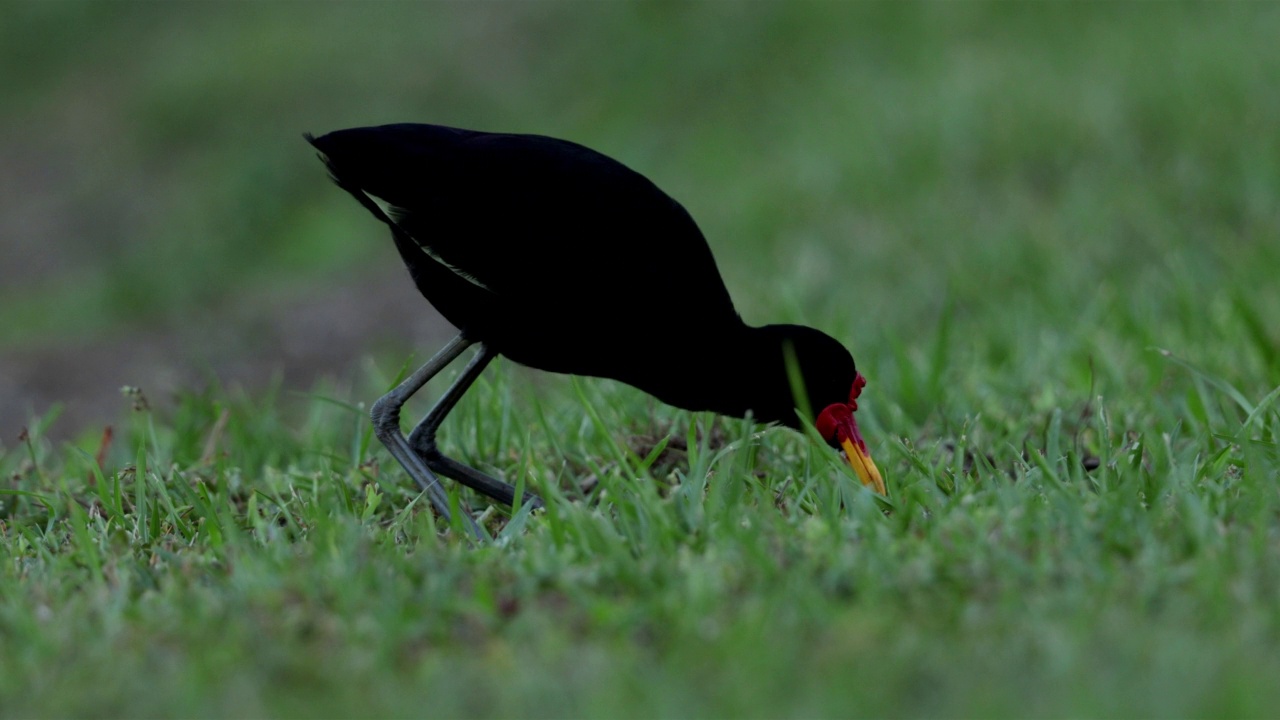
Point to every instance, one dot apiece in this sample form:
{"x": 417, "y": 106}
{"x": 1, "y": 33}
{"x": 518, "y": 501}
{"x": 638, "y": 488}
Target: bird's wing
{"x": 533, "y": 217}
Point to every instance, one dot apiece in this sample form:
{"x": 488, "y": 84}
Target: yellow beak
{"x": 864, "y": 466}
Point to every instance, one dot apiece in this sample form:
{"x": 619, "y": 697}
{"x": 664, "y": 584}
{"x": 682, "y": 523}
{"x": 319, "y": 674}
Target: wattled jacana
{"x": 565, "y": 260}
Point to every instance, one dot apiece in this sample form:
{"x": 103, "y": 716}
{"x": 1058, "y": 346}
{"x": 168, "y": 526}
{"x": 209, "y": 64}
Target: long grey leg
{"x": 423, "y": 438}
{"x": 386, "y": 426}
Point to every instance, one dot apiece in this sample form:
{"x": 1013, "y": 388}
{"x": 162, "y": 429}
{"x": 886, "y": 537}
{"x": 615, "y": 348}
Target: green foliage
{"x": 1048, "y": 232}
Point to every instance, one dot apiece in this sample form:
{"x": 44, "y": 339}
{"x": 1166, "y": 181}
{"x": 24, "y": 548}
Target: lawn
{"x": 1049, "y": 234}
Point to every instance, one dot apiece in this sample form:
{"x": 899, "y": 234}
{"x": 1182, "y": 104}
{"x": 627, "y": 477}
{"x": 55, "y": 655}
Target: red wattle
{"x": 829, "y": 421}
{"x": 836, "y": 424}
{"x": 859, "y": 382}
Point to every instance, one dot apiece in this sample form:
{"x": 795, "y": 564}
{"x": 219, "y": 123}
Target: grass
{"x": 1048, "y": 235}
{"x": 291, "y": 570}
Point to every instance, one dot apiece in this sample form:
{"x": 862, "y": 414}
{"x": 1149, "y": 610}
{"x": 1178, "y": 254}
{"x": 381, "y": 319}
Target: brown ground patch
{"x": 304, "y": 334}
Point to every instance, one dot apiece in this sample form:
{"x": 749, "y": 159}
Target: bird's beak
{"x": 837, "y": 426}
{"x": 862, "y": 464}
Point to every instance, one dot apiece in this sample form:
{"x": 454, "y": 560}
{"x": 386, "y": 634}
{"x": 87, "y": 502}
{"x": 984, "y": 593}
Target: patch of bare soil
{"x": 305, "y": 335}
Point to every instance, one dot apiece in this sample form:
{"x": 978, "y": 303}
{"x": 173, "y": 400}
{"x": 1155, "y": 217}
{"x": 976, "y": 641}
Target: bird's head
{"x": 819, "y": 381}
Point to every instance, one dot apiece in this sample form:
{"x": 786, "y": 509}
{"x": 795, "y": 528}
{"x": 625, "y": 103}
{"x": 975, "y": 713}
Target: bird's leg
{"x": 423, "y": 438}
{"x": 386, "y": 425}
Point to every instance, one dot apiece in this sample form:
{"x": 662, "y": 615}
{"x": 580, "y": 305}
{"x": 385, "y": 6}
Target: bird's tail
{"x": 346, "y": 183}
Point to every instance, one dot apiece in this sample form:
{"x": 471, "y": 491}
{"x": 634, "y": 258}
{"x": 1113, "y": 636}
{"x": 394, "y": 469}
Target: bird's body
{"x": 509, "y": 215}
{"x": 565, "y": 260}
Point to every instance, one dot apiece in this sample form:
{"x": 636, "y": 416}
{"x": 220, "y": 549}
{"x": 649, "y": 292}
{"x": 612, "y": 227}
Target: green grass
{"x": 291, "y": 570}
{"x": 1048, "y": 233}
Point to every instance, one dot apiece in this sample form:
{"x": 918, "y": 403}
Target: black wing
{"x": 533, "y": 219}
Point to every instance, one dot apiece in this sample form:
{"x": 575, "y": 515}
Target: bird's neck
{"x": 733, "y": 373}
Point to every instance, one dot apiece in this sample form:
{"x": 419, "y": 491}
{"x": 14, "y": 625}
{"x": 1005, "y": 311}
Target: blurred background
{"x": 1052, "y": 183}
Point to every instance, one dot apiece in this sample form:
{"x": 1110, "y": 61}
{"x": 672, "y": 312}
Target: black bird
{"x": 565, "y": 260}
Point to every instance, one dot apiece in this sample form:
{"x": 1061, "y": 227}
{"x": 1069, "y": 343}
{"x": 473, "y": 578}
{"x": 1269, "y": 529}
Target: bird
{"x": 560, "y": 258}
